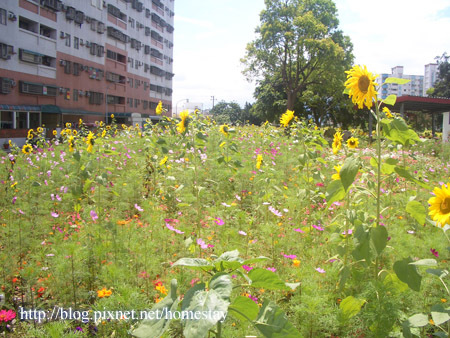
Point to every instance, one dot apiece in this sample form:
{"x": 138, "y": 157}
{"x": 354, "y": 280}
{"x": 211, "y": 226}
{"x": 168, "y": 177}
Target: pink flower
{"x": 247, "y": 268}
{"x": 219, "y": 221}
{"x": 299, "y": 230}
{"x": 202, "y": 243}
{"x": 55, "y": 214}
{"x": 194, "y": 281}
{"x": 94, "y": 215}
{"x": 275, "y": 211}
{"x": 271, "y": 269}
{"x": 289, "y": 256}
{"x": 320, "y": 270}
{"x": 317, "y": 227}
{"x": 6, "y": 316}
{"x": 434, "y": 252}
{"x": 243, "y": 233}
{"x": 138, "y": 208}
{"x": 174, "y": 229}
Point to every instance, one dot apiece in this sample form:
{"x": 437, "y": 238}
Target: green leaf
{"x": 272, "y": 322}
{"x": 215, "y": 302}
{"x": 407, "y": 273}
{"x": 397, "y": 130}
{"x": 396, "y": 80}
{"x": 391, "y": 99}
{"x": 388, "y": 166}
{"x": 391, "y": 280}
{"x": 228, "y": 260}
{"x": 350, "y": 307}
{"x": 379, "y": 236}
{"x": 417, "y": 210}
{"x": 418, "y": 320}
{"x": 195, "y": 263}
{"x": 154, "y": 328}
{"x": 405, "y": 174}
{"x": 441, "y": 273}
{"x": 266, "y": 279}
{"x": 245, "y": 306}
{"x": 425, "y": 262}
{"x": 348, "y": 172}
{"x": 77, "y": 156}
{"x": 335, "y": 192}
{"x": 439, "y": 314}
{"x": 190, "y": 293}
{"x": 362, "y": 245}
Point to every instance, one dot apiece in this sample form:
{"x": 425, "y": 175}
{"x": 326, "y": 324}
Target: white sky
{"x": 211, "y": 36}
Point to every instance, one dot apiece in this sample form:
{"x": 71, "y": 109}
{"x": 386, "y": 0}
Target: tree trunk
{"x": 291, "y": 96}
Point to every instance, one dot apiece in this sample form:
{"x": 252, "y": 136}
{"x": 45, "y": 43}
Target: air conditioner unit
{"x": 62, "y": 35}
{"x": 81, "y": 42}
{"x": 12, "y": 16}
{"x": 13, "y": 83}
{"x": 88, "y": 44}
{"x": 62, "y": 62}
{"x": 80, "y": 93}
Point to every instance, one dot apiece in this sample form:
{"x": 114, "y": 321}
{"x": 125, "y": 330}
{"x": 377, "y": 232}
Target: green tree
{"x": 442, "y": 85}
{"x": 227, "y": 112}
{"x": 298, "y": 46}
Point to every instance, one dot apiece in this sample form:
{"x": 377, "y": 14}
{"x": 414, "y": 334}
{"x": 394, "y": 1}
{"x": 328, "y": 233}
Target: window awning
{"x": 50, "y": 108}
{"x": 13, "y": 107}
{"x": 74, "y": 111}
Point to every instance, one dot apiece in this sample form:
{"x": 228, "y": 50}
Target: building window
{"x": 2, "y": 16}
{"x": 130, "y": 81}
{"x": 68, "y": 39}
{"x": 34, "y": 120}
{"x": 6, "y": 120}
{"x": 76, "y": 42}
{"x": 21, "y": 120}
{"x": 75, "y": 94}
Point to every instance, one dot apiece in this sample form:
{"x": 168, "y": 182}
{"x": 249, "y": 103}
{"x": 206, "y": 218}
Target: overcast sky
{"x": 211, "y": 36}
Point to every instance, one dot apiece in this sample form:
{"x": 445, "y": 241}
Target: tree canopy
{"x": 299, "y": 55}
{"x": 442, "y": 85}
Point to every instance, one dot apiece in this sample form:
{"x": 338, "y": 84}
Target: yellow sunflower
{"x": 352, "y": 142}
{"x": 388, "y": 113}
{"x": 337, "y": 176}
{"x": 159, "y": 108}
{"x": 439, "y": 208}
{"x": 181, "y": 126}
{"x": 163, "y": 161}
{"x": 361, "y": 86}
{"x": 224, "y": 129}
{"x": 27, "y": 149}
{"x": 337, "y": 142}
{"x": 259, "y": 160}
{"x": 286, "y": 118}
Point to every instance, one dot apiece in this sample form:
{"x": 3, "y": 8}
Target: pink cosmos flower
{"x": 320, "y": 270}
{"x": 7, "y": 315}
{"x": 299, "y": 230}
{"x": 94, "y": 215}
{"x": 317, "y": 227}
{"x": 434, "y": 252}
{"x": 271, "y": 269}
{"x": 247, "y": 268}
{"x": 289, "y": 256}
{"x": 243, "y": 233}
{"x": 219, "y": 221}
{"x": 138, "y": 208}
{"x": 174, "y": 229}
{"x": 55, "y": 214}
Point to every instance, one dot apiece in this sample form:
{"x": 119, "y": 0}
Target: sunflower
{"x": 71, "y": 143}
{"x": 286, "y": 118}
{"x": 337, "y": 142}
{"x": 27, "y": 149}
{"x": 159, "y": 108}
{"x": 55, "y": 132}
{"x": 337, "y": 176}
{"x": 259, "y": 160}
{"x": 163, "y": 161}
{"x": 352, "y": 142}
{"x": 361, "y": 86}
{"x": 439, "y": 209}
{"x": 181, "y": 126}
{"x": 388, "y": 113}
{"x": 224, "y": 129}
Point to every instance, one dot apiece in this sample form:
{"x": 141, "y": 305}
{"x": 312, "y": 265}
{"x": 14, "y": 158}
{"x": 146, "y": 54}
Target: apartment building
{"x": 65, "y": 60}
{"x": 413, "y": 87}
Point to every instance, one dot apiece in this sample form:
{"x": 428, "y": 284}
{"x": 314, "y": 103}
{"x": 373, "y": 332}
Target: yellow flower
{"x": 71, "y": 143}
{"x": 55, "y": 132}
{"x": 104, "y": 293}
{"x": 337, "y": 176}
{"x": 352, "y": 143}
{"x": 163, "y": 161}
{"x": 112, "y": 116}
{"x": 361, "y": 86}
{"x": 439, "y": 208}
{"x": 75, "y": 132}
{"x": 388, "y": 113}
{"x": 103, "y": 133}
{"x": 259, "y": 160}
{"x": 286, "y": 118}
{"x": 159, "y": 108}
{"x": 181, "y": 126}
{"x": 40, "y": 130}
{"x": 68, "y": 125}
{"x": 296, "y": 263}
{"x": 27, "y": 149}
{"x": 162, "y": 289}
{"x": 80, "y": 121}
{"x": 224, "y": 129}
{"x": 337, "y": 142}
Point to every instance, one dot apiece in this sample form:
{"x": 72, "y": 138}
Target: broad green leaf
{"x": 255, "y": 260}
{"x": 388, "y": 166}
{"x": 266, "y": 279}
{"x": 228, "y": 260}
{"x": 362, "y": 245}
{"x": 396, "y": 80}
{"x": 425, "y": 262}
{"x": 350, "y": 307}
{"x": 407, "y": 273}
{"x": 335, "y": 192}
{"x": 215, "y": 302}
{"x": 379, "y": 236}
{"x": 391, "y": 99}
{"x": 406, "y": 174}
{"x": 153, "y": 327}
{"x": 418, "y": 320}
{"x": 194, "y": 263}
{"x": 77, "y": 156}
{"x": 272, "y": 322}
{"x": 373, "y": 162}
{"x": 245, "y": 306}
{"x": 397, "y": 130}
{"x": 417, "y": 210}
{"x": 441, "y": 273}
{"x": 391, "y": 280}
{"x": 348, "y": 172}
{"x": 190, "y": 293}
{"x": 439, "y": 314}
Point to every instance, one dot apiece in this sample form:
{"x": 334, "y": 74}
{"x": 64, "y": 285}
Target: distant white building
{"x": 414, "y": 87}
{"x": 190, "y": 106}
{"x": 431, "y": 74}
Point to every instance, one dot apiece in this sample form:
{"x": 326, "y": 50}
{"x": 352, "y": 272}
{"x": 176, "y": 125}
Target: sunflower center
{"x": 445, "y": 205}
{"x": 363, "y": 84}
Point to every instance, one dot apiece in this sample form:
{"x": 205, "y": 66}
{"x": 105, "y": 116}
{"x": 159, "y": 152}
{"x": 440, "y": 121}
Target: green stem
{"x": 377, "y": 108}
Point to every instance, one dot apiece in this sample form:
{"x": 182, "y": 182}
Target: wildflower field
{"x": 287, "y": 232}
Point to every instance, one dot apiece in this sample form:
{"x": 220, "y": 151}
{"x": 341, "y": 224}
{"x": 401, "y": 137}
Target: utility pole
{"x": 212, "y": 98}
